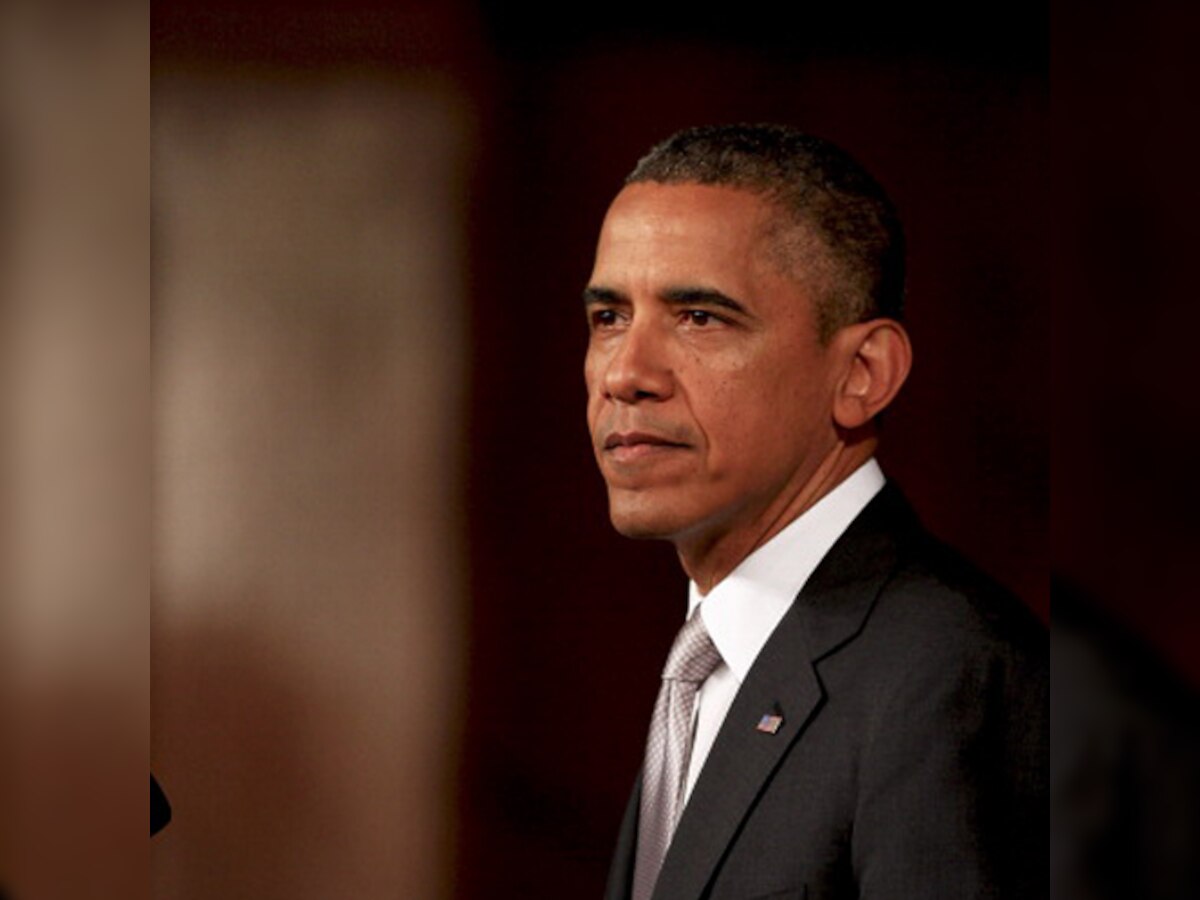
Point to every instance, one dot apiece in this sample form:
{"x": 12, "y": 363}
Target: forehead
{"x": 669, "y": 205}
{"x": 683, "y": 230}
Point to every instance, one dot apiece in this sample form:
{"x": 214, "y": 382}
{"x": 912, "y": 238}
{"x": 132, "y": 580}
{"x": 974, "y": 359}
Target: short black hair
{"x": 815, "y": 184}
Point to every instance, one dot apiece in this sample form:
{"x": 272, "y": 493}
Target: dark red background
{"x": 946, "y": 104}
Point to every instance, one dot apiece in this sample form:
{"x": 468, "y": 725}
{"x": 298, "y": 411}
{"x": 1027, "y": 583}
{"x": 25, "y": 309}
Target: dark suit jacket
{"x": 911, "y": 763}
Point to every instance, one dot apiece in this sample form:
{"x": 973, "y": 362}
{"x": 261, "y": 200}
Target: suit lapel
{"x": 828, "y": 613}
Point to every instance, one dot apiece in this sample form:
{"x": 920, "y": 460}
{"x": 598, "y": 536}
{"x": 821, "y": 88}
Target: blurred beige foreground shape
{"x": 307, "y": 387}
{"x": 74, "y": 306}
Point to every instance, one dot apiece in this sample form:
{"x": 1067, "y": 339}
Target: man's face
{"x": 709, "y": 393}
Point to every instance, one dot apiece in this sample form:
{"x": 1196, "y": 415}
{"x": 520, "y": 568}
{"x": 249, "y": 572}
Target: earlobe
{"x": 879, "y": 356}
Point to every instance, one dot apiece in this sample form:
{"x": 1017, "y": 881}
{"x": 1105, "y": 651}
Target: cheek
{"x": 590, "y": 382}
{"x": 593, "y": 412}
{"x": 748, "y": 414}
{"x": 589, "y": 371}
{"x": 730, "y": 414}
{"x": 598, "y": 412}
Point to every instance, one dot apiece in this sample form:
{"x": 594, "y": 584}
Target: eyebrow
{"x": 679, "y": 296}
{"x": 592, "y": 294}
{"x": 700, "y": 296}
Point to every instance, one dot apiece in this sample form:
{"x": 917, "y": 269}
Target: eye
{"x": 603, "y": 318}
{"x": 699, "y": 317}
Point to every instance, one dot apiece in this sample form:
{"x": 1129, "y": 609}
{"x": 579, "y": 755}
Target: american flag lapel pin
{"x": 769, "y": 723}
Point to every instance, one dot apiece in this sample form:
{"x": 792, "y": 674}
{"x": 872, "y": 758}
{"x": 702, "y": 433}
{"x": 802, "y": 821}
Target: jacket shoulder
{"x": 935, "y": 593}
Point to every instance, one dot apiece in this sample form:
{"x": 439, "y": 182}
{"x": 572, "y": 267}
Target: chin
{"x": 638, "y": 529}
{"x": 642, "y": 520}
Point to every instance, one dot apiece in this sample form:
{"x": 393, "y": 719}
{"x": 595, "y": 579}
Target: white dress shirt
{"x": 742, "y": 610}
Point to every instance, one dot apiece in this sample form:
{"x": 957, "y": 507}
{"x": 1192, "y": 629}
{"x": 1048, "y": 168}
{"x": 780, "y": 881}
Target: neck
{"x": 708, "y": 558}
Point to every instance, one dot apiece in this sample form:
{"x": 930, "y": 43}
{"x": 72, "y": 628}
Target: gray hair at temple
{"x": 817, "y": 186}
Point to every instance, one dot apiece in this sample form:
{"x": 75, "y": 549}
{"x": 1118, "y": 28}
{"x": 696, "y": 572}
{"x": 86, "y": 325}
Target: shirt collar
{"x": 742, "y": 610}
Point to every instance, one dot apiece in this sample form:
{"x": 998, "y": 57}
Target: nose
{"x": 639, "y": 368}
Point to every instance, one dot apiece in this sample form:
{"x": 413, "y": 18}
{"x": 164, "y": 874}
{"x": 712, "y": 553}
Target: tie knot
{"x": 693, "y": 656}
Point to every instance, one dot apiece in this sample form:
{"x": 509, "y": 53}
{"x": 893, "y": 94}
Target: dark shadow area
{"x": 1125, "y": 762}
{"x": 160, "y": 808}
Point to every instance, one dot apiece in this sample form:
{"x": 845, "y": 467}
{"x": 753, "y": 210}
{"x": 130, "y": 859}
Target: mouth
{"x": 630, "y": 446}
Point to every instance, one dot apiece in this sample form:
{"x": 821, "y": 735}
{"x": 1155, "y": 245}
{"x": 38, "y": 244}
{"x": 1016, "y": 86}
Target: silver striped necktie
{"x": 692, "y": 659}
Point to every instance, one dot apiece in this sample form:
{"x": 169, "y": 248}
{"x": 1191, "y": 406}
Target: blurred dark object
{"x": 1125, "y": 762}
{"x": 160, "y": 808}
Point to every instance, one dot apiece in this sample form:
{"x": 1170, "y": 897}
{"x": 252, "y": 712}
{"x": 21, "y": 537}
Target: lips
{"x": 631, "y": 446}
{"x": 634, "y": 438}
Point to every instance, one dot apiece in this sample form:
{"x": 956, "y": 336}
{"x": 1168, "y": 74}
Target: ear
{"x": 878, "y": 356}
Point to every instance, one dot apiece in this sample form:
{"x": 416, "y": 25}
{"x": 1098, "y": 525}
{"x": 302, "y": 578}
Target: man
{"x": 850, "y": 710}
